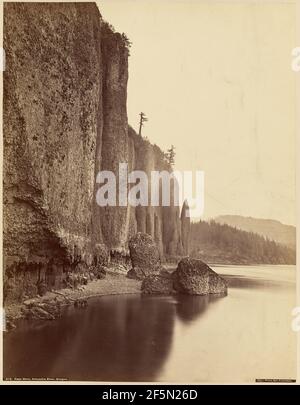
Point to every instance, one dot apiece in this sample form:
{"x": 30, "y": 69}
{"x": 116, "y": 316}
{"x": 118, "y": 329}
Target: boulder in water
{"x": 196, "y": 278}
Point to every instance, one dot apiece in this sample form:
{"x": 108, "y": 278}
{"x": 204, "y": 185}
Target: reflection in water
{"x": 234, "y": 281}
{"x": 133, "y": 338}
{"x": 116, "y": 338}
{"x": 190, "y": 307}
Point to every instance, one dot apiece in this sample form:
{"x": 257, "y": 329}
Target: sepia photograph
{"x": 149, "y": 208}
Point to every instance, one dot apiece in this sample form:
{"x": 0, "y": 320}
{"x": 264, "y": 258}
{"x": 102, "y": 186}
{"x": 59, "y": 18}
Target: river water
{"x": 237, "y": 338}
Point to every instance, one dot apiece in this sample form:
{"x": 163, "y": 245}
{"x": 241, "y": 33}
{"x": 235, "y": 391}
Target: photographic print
{"x": 149, "y": 191}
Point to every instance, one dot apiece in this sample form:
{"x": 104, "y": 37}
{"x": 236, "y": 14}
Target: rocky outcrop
{"x": 185, "y": 227}
{"x": 162, "y": 223}
{"x": 161, "y": 284}
{"x": 114, "y": 142}
{"x": 52, "y": 123}
{"x": 120, "y": 260}
{"x": 64, "y": 119}
{"x": 194, "y": 277}
{"x": 145, "y": 257}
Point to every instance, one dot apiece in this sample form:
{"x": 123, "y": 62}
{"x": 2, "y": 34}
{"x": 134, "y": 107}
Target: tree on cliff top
{"x": 143, "y": 119}
{"x": 127, "y": 42}
{"x": 108, "y": 30}
{"x": 170, "y": 155}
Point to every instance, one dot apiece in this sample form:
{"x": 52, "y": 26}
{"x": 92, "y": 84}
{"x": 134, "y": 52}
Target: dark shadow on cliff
{"x": 117, "y": 338}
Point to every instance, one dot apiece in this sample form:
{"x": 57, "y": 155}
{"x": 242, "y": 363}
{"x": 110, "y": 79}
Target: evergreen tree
{"x": 215, "y": 239}
{"x": 170, "y": 155}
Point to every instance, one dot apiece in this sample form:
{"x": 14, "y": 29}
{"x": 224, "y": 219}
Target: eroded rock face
{"x": 162, "y": 223}
{"x": 64, "y": 119}
{"x": 145, "y": 257}
{"x": 120, "y": 260}
{"x": 194, "y": 277}
{"x": 52, "y": 123}
{"x": 185, "y": 227}
{"x": 115, "y": 144}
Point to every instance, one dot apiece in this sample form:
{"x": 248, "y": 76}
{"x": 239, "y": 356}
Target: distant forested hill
{"x": 271, "y": 229}
{"x": 220, "y": 243}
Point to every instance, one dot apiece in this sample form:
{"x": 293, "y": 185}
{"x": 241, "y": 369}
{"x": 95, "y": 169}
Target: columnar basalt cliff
{"x": 65, "y": 118}
{"x": 185, "y": 227}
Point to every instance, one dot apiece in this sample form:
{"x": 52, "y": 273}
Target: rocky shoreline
{"x": 49, "y": 306}
{"x": 146, "y": 276}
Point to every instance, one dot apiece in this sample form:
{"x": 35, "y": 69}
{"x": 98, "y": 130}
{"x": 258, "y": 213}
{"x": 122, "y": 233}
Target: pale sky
{"x": 215, "y": 80}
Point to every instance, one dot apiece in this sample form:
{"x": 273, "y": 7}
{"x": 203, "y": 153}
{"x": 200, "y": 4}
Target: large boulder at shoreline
{"x": 217, "y": 284}
{"x": 144, "y": 255}
{"x": 194, "y": 277}
{"x": 158, "y": 284}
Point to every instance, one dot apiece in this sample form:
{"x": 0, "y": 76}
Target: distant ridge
{"x": 270, "y": 228}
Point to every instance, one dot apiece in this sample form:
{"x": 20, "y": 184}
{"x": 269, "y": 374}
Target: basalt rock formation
{"x": 64, "y": 120}
{"x": 192, "y": 277}
{"x": 145, "y": 257}
{"x": 185, "y": 227}
{"x": 161, "y": 284}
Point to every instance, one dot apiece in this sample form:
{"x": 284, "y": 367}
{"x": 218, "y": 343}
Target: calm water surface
{"x": 237, "y": 338}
